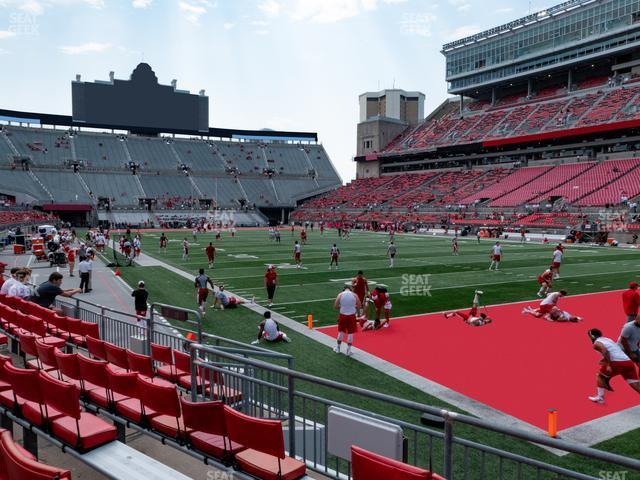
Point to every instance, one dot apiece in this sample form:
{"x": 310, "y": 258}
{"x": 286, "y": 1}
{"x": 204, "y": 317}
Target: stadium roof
{"x": 537, "y": 17}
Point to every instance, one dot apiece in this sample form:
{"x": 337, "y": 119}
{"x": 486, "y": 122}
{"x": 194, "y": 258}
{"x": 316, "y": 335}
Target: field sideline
{"x": 452, "y": 281}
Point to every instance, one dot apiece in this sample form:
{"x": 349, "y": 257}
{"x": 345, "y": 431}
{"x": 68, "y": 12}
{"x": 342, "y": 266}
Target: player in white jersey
{"x": 335, "y": 253}
{"x": 297, "y": 253}
{"x": 558, "y": 315}
{"x": 496, "y": 256}
{"x": 557, "y": 260}
{"x": 185, "y": 250}
{"x": 614, "y": 362}
{"x": 348, "y": 304}
{"x": 546, "y": 305}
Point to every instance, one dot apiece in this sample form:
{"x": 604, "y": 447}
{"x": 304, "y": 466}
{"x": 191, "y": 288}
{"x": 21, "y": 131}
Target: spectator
{"x": 140, "y": 296}
{"x": 270, "y": 330}
{"x": 47, "y": 292}
{"x": 631, "y": 302}
{"x": 270, "y": 283}
{"x": 630, "y": 340}
{"x": 71, "y": 260}
{"x": 10, "y": 281}
{"x": 84, "y": 267}
{"x": 20, "y": 288}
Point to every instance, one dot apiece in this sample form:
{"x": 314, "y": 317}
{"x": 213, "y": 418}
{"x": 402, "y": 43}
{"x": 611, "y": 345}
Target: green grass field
{"x": 240, "y": 265}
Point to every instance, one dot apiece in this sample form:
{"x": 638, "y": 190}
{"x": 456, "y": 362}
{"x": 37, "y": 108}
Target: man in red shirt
{"x": 631, "y": 302}
{"x": 211, "y": 252}
{"x": 360, "y": 288}
{"x": 270, "y": 283}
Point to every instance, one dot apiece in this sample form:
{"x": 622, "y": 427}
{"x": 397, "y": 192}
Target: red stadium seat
{"x": 127, "y": 399}
{"x": 264, "y": 456}
{"x": 95, "y": 383}
{"x": 367, "y": 465}
{"x": 69, "y": 369}
{"x": 96, "y": 349}
{"x": 116, "y": 355}
{"x": 162, "y": 354}
{"x": 163, "y": 400}
{"x": 18, "y": 464}
{"x": 81, "y": 430}
{"x": 207, "y": 428}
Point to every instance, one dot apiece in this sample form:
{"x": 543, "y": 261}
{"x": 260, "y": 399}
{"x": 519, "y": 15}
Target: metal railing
{"x": 302, "y": 401}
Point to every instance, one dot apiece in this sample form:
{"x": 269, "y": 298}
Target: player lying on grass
{"x": 557, "y": 315}
{"x": 546, "y": 305}
{"x": 614, "y": 362}
{"x": 545, "y": 279}
{"x": 269, "y": 330}
{"x": 224, "y": 300}
{"x": 472, "y": 317}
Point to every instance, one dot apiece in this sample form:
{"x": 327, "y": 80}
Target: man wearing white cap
{"x": 347, "y": 303}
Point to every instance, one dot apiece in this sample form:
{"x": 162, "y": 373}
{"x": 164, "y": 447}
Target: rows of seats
{"x": 123, "y": 189}
{"x": 626, "y": 186}
{"x": 100, "y": 150}
{"x": 545, "y": 182}
{"x": 11, "y": 217}
{"x": 409, "y": 186}
{"x": 199, "y": 155}
{"x": 16, "y": 463}
{"x": 548, "y": 220}
{"x": 46, "y": 147}
{"x": 151, "y": 153}
{"x": 367, "y": 465}
{"x": 507, "y": 184}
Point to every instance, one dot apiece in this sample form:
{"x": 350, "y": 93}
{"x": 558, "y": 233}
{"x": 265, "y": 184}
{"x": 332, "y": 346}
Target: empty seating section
{"x": 290, "y": 190}
{"x": 241, "y": 157}
{"x": 199, "y": 155}
{"x": 65, "y": 187}
{"x": 321, "y": 163}
{"x": 19, "y": 181}
{"x": 449, "y": 186}
{"x": 152, "y": 153}
{"x": 594, "y": 178}
{"x": 6, "y": 153}
{"x": 123, "y": 189}
{"x": 289, "y": 160}
{"x": 225, "y": 191}
{"x": 549, "y": 180}
{"x": 46, "y": 147}
{"x": 626, "y": 186}
{"x": 551, "y": 110}
{"x": 549, "y": 220}
{"x": 507, "y": 184}
{"x": 100, "y": 150}
{"x": 11, "y": 217}
{"x": 167, "y": 186}
{"x": 259, "y": 191}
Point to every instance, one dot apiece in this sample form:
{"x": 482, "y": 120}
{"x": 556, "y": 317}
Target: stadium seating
{"x": 10, "y": 217}
{"x": 100, "y": 150}
{"x": 366, "y": 465}
{"x": 507, "y": 184}
{"x": 16, "y": 463}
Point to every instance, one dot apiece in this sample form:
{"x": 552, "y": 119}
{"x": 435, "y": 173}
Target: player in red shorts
{"x": 545, "y": 279}
{"x": 473, "y": 313}
{"x": 335, "y": 253}
{"x": 303, "y": 236}
{"x": 210, "y": 250}
{"x": 360, "y": 287}
{"x": 202, "y": 283}
{"x": 382, "y": 302}
{"x": 496, "y": 256}
{"x": 163, "y": 242}
{"x": 321, "y": 228}
{"x": 297, "y": 253}
{"x": 614, "y": 362}
{"x": 546, "y": 305}
{"x": 348, "y": 304}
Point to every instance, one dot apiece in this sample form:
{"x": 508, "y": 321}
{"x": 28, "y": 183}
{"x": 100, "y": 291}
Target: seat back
{"x": 161, "y": 354}
{"x": 74, "y": 326}
{"x": 38, "y": 327}
{"x": 27, "y": 343}
{"x": 63, "y": 396}
{"x": 4, "y": 359}
{"x": 67, "y": 364}
{"x": 256, "y": 433}
{"x": 96, "y": 347}
{"x": 93, "y": 371}
{"x": 46, "y": 354}
{"x": 159, "y": 398}
{"x": 24, "y": 382}
{"x": 366, "y": 465}
{"x": 116, "y": 355}
{"x": 18, "y": 465}
{"x": 182, "y": 361}
{"x": 90, "y": 329}
{"x": 205, "y": 417}
{"x": 123, "y": 383}
{"x": 140, "y": 363}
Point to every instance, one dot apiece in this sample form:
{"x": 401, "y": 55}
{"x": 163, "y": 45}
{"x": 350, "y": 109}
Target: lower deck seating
{"x": 18, "y": 464}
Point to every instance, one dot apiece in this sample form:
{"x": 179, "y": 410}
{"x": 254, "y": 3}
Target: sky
{"x": 281, "y": 64}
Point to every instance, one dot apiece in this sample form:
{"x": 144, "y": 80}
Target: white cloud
{"x": 417, "y": 24}
{"x": 259, "y": 23}
{"x": 228, "y": 25}
{"x": 463, "y": 32}
{"x": 270, "y": 8}
{"x": 504, "y": 10}
{"x": 37, "y": 7}
{"x": 141, "y": 3}
{"x": 193, "y": 11}
{"x": 325, "y": 11}
{"x": 91, "y": 47}
{"x": 460, "y": 5}
{"x": 6, "y": 34}
{"x": 261, "y": 32}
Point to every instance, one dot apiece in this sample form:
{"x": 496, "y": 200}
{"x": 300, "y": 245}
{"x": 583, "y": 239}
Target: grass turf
{"x": 240, "y": 264}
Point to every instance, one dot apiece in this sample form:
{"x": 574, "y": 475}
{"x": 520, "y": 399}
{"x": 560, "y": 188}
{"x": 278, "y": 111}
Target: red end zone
{"x": 520, "y": 365}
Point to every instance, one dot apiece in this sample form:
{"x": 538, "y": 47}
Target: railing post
{"x": 448, "y": 444}
{"x": 150, "y": 333}
{"x": 292, "y": 416}
{"x": 103, "y": 326}
{"x": 199, "y": 318}
{"x": 194, "y": 377}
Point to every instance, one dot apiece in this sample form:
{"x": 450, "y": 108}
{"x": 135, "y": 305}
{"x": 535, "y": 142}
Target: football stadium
{"x": 180, "y": 300}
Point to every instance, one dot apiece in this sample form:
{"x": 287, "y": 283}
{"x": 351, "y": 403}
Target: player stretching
{"x": 545, "y": 279}
{"x": 454, "y": 246}
{"x": 335, "y": 253}
{"x": 297, "y": 252}
{"x": 391, "y": 253}
{"x": 211, "y": 253}
{"x": 546, "y": 305}
{"x": 557, "y": 315}
{"x": 185, "y": 249}
{"x": 496, "y": 256}
{"x": 381, "y": 301}
{"x": 163, "y": 242}
{"x": 557, "y": 260}
{"x": 347, "y": 303}
{"x": 614, "y": 362}
{"x": 473, "y": 313}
